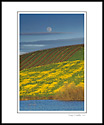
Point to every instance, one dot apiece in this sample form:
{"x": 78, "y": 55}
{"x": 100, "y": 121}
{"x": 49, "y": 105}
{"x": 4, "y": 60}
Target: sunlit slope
{"x": 48, "y": 56}
{"x": 62, "y": 80}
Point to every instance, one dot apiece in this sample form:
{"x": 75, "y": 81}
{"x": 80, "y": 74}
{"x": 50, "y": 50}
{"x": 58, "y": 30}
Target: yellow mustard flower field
{"x": 52, "y": 79}
{"x": 61, "y": 79}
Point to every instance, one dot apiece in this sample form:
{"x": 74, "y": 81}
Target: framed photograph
{"x": 52, "y": 61}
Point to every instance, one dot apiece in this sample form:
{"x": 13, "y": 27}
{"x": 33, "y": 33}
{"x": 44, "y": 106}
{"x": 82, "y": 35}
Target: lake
{"x": 51, "y": 105}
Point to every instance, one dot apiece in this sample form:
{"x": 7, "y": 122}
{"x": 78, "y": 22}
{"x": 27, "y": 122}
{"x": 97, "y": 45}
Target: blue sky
{"x": 58, "y": 22}
{"x": 33, "y": 28}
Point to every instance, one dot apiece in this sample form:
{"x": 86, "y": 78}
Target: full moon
{"x": 49, "y": 29}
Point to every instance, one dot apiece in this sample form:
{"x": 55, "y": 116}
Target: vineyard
{"x": 48, "y": 56}
{"x": 56, "y": 73}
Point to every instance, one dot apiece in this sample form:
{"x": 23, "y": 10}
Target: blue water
{"x": 30, "y": 43}
{"x": 51, "y": 105}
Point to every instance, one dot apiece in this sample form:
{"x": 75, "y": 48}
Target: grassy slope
{"x": 63, "y": 80}
{"x": 48, "y": 56}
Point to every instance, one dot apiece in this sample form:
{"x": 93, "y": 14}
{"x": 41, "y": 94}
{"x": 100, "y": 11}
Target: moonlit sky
{"x": 38, "y": 28}
{"x": 59, "y": 23}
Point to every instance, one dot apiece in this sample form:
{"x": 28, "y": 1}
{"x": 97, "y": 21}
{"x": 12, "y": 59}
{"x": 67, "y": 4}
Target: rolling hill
{"x": 48, "y": 56}
{"x": 56, "y": 73}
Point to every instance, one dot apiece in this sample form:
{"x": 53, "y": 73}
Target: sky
{"x": 42, "y": 27}
{"x": 58, "y": 22}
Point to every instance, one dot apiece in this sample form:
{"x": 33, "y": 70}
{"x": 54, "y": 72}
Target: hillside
{"x": 48, "y": 56}
{"x": 56, "y": 73}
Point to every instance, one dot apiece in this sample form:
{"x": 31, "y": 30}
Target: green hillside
{"x": 48, "y": 56}
{"x": 56, "y": 73}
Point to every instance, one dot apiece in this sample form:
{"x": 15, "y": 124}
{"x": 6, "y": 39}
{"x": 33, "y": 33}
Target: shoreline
{"x": 51, "y": 99}
{"x": 44, "y": 98}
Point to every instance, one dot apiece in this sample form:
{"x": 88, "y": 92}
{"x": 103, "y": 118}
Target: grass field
{"x": 56, "y": 73}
